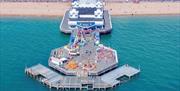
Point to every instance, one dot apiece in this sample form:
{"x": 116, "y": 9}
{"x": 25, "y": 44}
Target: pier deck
{"x": 94, "y": 58}
{"x": 44, "y": 74}
{"x": 125, "y": 70}
{"x": 56, "y": 80}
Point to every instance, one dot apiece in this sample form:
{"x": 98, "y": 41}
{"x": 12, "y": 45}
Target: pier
{"x": 84, "y": 63}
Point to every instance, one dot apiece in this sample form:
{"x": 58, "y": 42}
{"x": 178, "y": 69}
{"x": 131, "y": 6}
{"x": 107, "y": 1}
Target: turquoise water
{"x": 153, "y": 42}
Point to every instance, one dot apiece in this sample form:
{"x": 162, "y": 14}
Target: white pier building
{"x": 86, "y": 14}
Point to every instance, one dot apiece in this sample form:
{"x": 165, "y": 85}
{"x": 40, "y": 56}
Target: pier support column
{"x": 50, "y": 85}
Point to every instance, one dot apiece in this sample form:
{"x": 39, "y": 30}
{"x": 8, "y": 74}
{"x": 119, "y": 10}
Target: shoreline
{"x": 52, "y": 9}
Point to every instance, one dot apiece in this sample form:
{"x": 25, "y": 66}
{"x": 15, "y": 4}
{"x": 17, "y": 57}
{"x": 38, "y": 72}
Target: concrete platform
{"x": 58, "y": 81}
{"x": 101, "y": 57}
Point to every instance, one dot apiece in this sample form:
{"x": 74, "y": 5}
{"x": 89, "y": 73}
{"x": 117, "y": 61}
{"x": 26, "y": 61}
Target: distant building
{"x": 86, "y": 14}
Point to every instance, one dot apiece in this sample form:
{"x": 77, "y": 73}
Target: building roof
{"x": 85, "y": 19}
{"x": 86, "y": 11}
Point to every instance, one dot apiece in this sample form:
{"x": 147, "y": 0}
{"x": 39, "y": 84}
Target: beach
{"x": 33, "y": 9}
{"x": 115, "y": 9}
{"x": 144, "y": 8}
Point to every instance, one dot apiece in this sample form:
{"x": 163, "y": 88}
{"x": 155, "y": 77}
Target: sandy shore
{"x": 58, "y": 9}
{"x": 33, "y": 9}
{"x": 145, "y": 8}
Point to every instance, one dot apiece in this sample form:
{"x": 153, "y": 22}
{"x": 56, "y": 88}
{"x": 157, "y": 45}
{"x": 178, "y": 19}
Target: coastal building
{"x": 86, "y": 14}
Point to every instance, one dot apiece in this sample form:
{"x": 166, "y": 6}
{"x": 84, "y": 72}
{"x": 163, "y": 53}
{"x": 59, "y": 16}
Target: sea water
{"x": 151, "y": 42}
